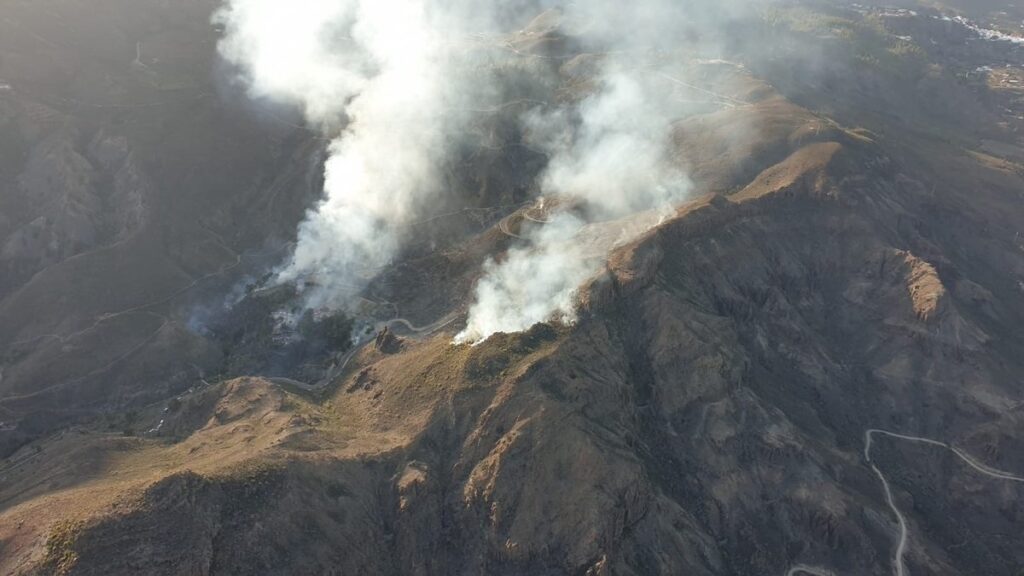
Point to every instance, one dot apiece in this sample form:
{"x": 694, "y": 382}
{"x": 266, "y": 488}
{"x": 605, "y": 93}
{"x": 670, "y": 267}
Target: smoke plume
{"x": 610, "y": 158}
{"x": 395, "y": 80}
{"x": 389, "y": 73}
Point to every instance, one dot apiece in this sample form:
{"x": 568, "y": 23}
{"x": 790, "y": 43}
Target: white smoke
{"x": 614, "y": 165}
{"x": 386, "y": 69}
{"x": 392, "y": 75}
{"x": 534, "y": 283}
{"x": 612, "y": 157}
{"x": 296, "y": 53}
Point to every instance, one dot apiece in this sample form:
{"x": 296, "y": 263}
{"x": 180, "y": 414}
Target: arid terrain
{"x": 815, "y": 365}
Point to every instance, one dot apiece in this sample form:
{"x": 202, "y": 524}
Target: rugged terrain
{"x": 851, "y": 268}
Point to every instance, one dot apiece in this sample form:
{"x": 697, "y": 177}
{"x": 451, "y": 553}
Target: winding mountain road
{"x": 505, "y": 226}
{"x": 333, "y": 373}
{"x": 812, "y": 570}
{"x": 899, "y": 568}
{"x": 418, "y": 330}
{"x": 901, "y": 548}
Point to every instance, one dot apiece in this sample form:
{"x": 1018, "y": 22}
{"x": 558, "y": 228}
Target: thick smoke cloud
{"x": 397, "y": 78}
{"x": 616, "y": 164}
{"x": 301, "y": 55}
{"x": 534, "y": 283}
{"x": 611, "y": 158}
{"x": 389, "y": 72}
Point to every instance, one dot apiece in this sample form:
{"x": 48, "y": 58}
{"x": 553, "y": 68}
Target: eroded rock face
{"x": 387, "y": 342}
{"x": 75, "y": 201}
{"x": 65, "y": 216}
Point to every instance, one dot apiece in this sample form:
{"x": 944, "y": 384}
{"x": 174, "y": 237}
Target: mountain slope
{"x": 812, "y": 367}
{"x": 702, "y": 417}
